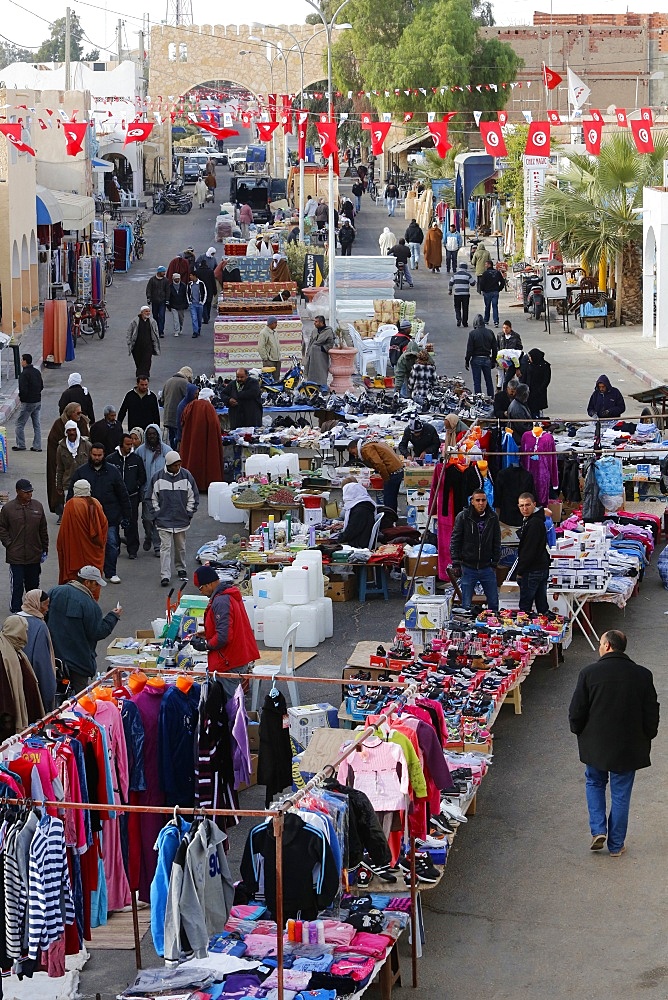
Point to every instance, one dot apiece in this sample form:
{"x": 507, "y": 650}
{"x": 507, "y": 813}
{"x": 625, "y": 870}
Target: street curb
{"x": 602, "y": 348}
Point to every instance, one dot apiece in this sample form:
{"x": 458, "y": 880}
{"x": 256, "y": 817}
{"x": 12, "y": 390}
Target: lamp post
{"x": 247, "y": 52}
{"x": 331, "y": 235}
{"x": 300, "y": 49}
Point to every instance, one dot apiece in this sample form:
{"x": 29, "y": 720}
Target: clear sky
{"x": 99, "y": 17}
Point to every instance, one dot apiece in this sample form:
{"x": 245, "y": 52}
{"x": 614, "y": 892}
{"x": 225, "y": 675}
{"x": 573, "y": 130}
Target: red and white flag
{"x": 592, "y": 135}
{"x": 538, "y": 139}
{"x": 266, "y": 130}
{"x": 75, "y": 133}
{"x": 622, "y": 120}
{"x": 503, "y": 117}
{"x": 554, "y": 117}
{"x": 13, "y": 134}
{"x": 642, "y": 136}
{"x": 596, "y": 115}
{"x": 138, "y": 132}
{"x": 647, "y": 116}
{"x": 246, "y": 118}
{"x": 327, "y": 133}
{"x": 492, "y": 136}
{"x": 551, "y": 79}
{"x": 302, "y": 129}
{"x": 286, "y": 114}
{"x": 378, "y": 133}
{"x": 439, "y": 130}
{"x": 218, "y": 133}
{"x": 365, "y": 119}
{"x": 408, "y": 116}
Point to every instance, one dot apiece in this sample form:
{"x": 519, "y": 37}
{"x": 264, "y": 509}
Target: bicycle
{"x": 108, "y": 270}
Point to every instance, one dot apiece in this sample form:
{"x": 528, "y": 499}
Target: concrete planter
{"x": 342, "y": 366}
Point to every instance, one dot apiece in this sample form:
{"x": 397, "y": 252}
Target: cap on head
{"x": 176, "y": 277}
{"x": 171, "y": 457}
{"x": 145, "y": 309}
{"x": 81, "y": 488}
{"x": 91, "y": 573}
{"x": 405, "y": 324}
{"x": 161, "y": 270}
{"x": 71, "y": 425}
{"x": 187, "y": 372}
{"x": 74, "y": 379}
{"x": 203, "y": 575}
{"x": 271, "y": 319}
{"x": 24, "y": 485}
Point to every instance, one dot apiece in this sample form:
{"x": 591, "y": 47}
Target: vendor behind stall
{"x": 384, "y": 460}
{"x": 420, "y": 440}
{"x": 243, "y": 397}
{"x": 606, "y": 400}
{"x": 359, "y": 514}
{"x": 227, "y": 635}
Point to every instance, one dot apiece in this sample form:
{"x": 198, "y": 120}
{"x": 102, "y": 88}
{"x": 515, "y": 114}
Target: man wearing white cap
{"x": 174, "y": 497}
{"x": 72, "y": 452}
{"x": 77, "y": 393}
{"x": 269, "y": 348}
{"x": 76, "y": 624}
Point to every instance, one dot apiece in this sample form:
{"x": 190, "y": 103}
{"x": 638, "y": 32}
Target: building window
{"x": 183, "y": 52}
{"x": 171, "y": 51}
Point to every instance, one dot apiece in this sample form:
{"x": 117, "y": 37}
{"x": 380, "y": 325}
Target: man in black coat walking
{"x": 107, "y": 486}
{"x": 242, "y": 396}
{"x": 475, "y": 545}
{"x": 133, "y": 473}
{"x": 30, "y": 397}
{"x": 614, "y": 713}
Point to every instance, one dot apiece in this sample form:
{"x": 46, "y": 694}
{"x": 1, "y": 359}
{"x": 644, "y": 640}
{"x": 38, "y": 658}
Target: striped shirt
{"x": 50, "y": 904}
{"x": 461, "y": 281}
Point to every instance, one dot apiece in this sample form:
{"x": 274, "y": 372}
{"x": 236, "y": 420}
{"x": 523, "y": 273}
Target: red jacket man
{"x": 228, "y": 635}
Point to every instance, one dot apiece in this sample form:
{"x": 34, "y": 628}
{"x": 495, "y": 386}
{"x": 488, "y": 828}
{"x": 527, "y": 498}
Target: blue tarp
{"x": 471, "y": 169}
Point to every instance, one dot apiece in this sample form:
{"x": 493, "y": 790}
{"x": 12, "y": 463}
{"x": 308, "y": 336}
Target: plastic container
{"x": 220, "y": 504}
{"x": 249, "y": 604}
{"x": 258, "y": 623}
{"x": 257, "y": 465}
{"x": 277, "y": 621}
{"x": 316, "y": 585}
{"x": 158, "y": 625}
{"x": 296, "y": 584}
{"x": 292, "y": 459}
{"x": 327, "y": 613}
{"x": 263, "y": 586}
{"x": 308, "y": 633}
{"x": 277, "y": 588}
{"x": 277, "y": 466}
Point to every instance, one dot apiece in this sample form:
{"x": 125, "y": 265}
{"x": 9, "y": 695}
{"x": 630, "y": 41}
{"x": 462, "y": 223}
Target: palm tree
{"x": 594, "y": 213}
{"x": 436, "y": 168}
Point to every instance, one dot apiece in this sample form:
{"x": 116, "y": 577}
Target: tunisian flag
{"x": 439, "y": 130}
{"x": 13, "y": 133}
{"x": 592, "y": 135}
{"x": 286, "y": 114}
{"x": 302, "y": 129}
{"x": 492, "y": 136}
{"x": 647, "y": 116}
{"x": 554, "y": 117}
{"x": 551, "y": 79}
{"x": 378, "y": 132}
{"x": 622, "y": 120}
{"x": 218, "y": 133}
{"x": 538, "y": 139}
{"x": 642, "y": 136}
{"x": 266, "y": 130}
{"x": 75, "y": 133}
{"x": 138, "y": 132}
{"x": 503, "y": 117}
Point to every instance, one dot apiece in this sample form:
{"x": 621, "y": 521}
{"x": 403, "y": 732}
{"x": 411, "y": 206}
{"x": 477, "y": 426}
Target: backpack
{"x": 398, "y": 345}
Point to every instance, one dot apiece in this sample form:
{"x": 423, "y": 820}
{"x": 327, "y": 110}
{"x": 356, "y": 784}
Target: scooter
{"x": 169, "y": 201}
{"x": 536, "y": 302}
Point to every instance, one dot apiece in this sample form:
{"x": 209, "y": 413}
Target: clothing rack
{"x": 277, "y": 815}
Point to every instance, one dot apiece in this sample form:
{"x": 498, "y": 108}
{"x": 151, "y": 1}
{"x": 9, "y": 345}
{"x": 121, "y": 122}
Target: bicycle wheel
{"x": 101, "y": 325}
{"x": 109, "y": 276}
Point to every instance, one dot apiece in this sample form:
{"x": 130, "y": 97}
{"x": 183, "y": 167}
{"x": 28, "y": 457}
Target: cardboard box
{"x": 126, "y": 646}
{"x": 254, "y": 731}
{"x": 428, "y": 565}
{"x": 423, "y": 586}
{"x": 343, "y": 588}
{"x": 418, "y": 497}
{"x": 145, "y": 633}
{"x": 305, "y": 719}
{"x": 433, "y": 612}
{"x": 417, "y": 515}
{"x": 253, "y": 778}
{"x": 418, "y": 477}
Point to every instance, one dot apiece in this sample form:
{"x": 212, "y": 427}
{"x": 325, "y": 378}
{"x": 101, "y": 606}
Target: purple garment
{"x": 542, "y": 466}
{"x": 238, "y": 721}
{"x": 432, "y": 752}
{"x": 148, "y": 701}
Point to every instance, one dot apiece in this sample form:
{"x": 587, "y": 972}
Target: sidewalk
{"x": 627, "y": 346}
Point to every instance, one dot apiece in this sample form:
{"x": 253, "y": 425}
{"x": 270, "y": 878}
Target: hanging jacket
{"x": 510, "y": 482}
{"x": 177, "y": 723}
{"x": 229, "y": 636}
{"x": 592, "y": 509}
{"x": 310, "y": 878}
{"x": 274, "y": 768}
{"x": 167, "y": 844}
{"x": 364, "y": 830}
{"x": 570, "y": 479}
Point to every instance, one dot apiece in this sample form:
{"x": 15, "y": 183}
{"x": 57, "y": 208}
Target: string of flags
{"x": 74, "y": 133}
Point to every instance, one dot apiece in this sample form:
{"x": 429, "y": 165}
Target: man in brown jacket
{"x": 384, "y": 460}
{"x": 24, "y": 534}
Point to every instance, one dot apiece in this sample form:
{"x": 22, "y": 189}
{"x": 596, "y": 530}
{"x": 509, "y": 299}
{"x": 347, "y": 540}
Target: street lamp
{"x": 301, "y": 49}
{"x": 248, "y": 52}
{"x": 280, "y": 55}
{"x": 331, "y": 235}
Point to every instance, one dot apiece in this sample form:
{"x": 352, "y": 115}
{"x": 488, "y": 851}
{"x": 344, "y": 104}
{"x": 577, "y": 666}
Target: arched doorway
{"x": 123, "y": 173}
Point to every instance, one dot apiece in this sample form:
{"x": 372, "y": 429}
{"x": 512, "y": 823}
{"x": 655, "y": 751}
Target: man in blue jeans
{"x": 30, "y": 397}
{"x": 157, "y": 291}
{"x": 491, "y": 283}
{"x": 476, "y": 547}
{"x": 614, "y": 713}
{"x": 481, "y": 355}
{"x": 196, "y": 294}
{"x": 533, "y": 556}
{"x": 107, "y": 486}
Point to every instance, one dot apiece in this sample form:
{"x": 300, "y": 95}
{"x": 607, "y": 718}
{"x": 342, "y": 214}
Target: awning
{"x": 418, "y": 140}
{"x": 471, "y": 169}
{"x": 78, "y": 210}
{"x": 48, "y": 209}
{"x": 102, "y": 165}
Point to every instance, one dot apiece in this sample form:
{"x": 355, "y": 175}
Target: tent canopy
{"x": 48, "y": 209}
{"x": 102, "y": 165}
{"x": 471, "y": 169}
{"x": 72, "y": 211}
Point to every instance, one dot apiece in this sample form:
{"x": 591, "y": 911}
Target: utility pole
{"x": 68, "y": 40}
{"x": 119, "y": 30}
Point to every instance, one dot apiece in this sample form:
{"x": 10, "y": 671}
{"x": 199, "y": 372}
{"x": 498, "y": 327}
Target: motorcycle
{"x": 88, "y": 318}
{"x": 169, "y": 201}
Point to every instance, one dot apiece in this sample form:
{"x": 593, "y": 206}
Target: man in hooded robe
{"x": 433, "y": 248}
{"x": 20, "y": 701}
{"x": 72, "y": 452}
{"x": 83, "y": 534}
{"x": 71, "y": 412}
{"x": 278, "y": 269}
{"x": 201, "y": 446}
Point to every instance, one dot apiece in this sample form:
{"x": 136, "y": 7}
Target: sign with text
{"x": 314, "y": 266}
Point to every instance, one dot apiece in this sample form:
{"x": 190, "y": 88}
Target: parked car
{"x": 192, "y": 169}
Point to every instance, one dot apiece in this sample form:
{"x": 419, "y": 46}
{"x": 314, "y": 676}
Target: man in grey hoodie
{"x": 175, "y": 498}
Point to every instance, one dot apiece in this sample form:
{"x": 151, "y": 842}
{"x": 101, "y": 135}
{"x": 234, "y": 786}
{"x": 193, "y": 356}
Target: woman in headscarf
{"x": 77, "y": 393}
{"x": 83, "y": 533}
{"x": 71, "y": 412}
{"x": 20, "y": 701}
{"x": 39, "y": 648}
{"x": 278, "y": 269}
{"x": 152, "y": 453}
{"x": 454, "y": 428}
{"x": 137, "y": 436}
{"x": 359, "y": 514}
{"x": 192, "y": 392}
{"x": 71, "y": 454}
{"x": 201, "y": 446}
{"x": 433, "y": 248}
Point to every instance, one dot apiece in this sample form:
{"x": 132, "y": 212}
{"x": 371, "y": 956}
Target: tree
{"x": 436, "y": 167}
{"x": 593, "y": 212}
{"x": 10, "y": 53}
{"x": 53, "y": 48}
{"x": 436, "y": 45}
{"x": 92, "y": 56}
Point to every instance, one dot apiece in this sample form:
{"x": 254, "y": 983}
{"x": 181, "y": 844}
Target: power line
{"x": 33, "y": 48}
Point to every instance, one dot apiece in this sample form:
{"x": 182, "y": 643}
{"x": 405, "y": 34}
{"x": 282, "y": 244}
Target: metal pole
{"x": 68, "y": 37}
{"x": 278, "y": 836}
{"x": 414, "y": 922}
{"x": 331, "y": 234}
{"x": 301, "y": 158}
{"x": 135, "y": 929}
{"x": 120, "y": 40}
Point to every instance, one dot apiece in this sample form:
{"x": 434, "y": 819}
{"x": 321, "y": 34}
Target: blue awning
{"x": 49, "y": 211}
{"x": 471, "y": 169}
{"x": 103, "y": 165}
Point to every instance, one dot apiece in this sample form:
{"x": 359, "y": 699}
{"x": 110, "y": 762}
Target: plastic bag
{"x": 610, "y": 482}
{"x": 662, "y": 566}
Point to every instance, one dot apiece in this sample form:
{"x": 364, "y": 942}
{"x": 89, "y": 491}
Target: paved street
{"x": 524, "y": 910}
